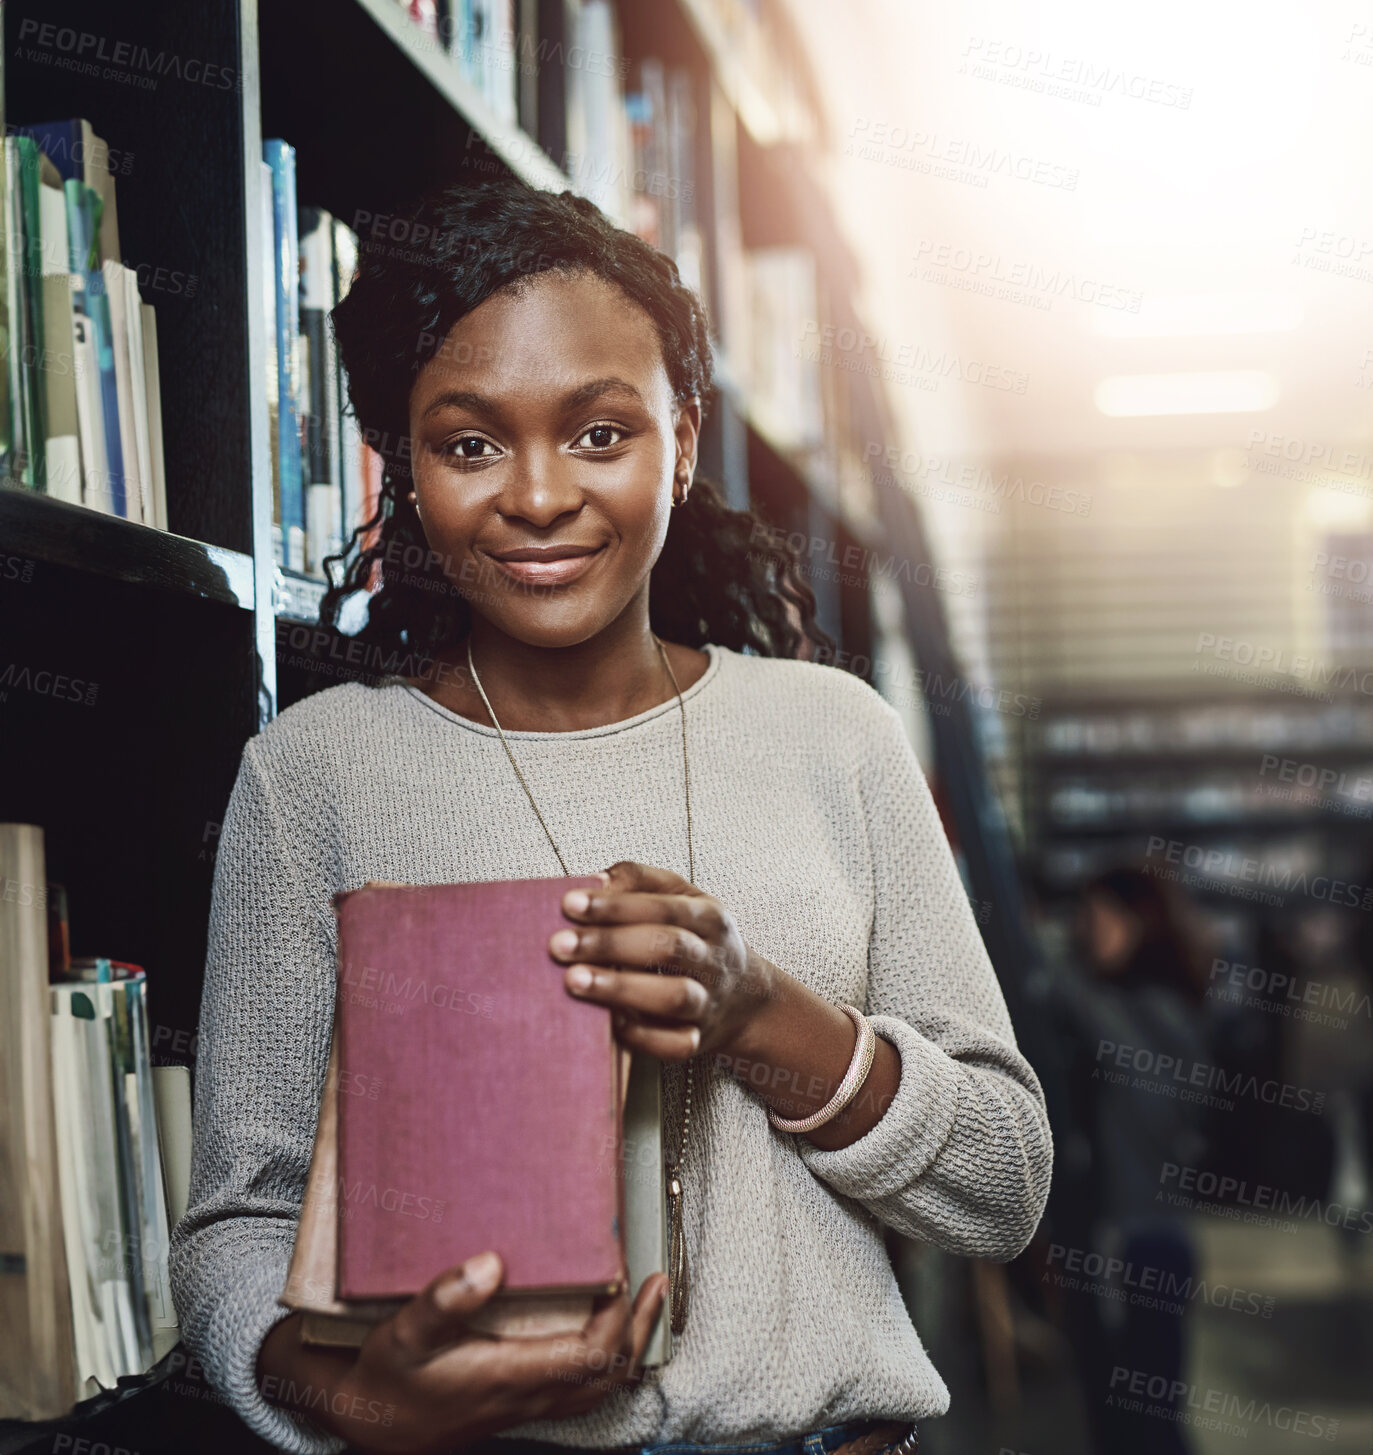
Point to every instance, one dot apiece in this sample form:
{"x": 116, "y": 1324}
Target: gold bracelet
{"x": 864, "y": 1049}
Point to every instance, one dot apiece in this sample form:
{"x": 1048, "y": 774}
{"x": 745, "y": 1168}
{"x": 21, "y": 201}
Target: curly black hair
{"x": 722, "y": 576}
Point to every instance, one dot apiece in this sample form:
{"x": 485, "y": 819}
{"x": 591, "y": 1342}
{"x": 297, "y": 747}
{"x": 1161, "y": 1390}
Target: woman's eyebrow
{"x": 574, "y": 399}
{"x": 460, "y": 399}
{"x": 595, "y": 388}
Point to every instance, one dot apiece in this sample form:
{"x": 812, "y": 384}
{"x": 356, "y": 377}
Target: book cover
{"x": 496, "y": 1093}
{"x": 312, "y": 1276}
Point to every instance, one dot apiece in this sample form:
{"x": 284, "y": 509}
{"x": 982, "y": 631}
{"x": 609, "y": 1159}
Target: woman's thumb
{"x": 471, "y": 1285}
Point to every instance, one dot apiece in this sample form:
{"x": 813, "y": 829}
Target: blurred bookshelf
{"x": 1286, "y": 782}
{"x": 189, "y": 611}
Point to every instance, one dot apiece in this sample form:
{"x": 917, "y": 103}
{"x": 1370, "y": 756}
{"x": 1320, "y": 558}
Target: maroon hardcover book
{"x": 476, "y": 1097}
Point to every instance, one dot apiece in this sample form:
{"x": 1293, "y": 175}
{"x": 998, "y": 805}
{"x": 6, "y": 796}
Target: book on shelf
{"x": 598, "y": 130}
{"x": 83, "y": 394}
{"x": 483, "y": 41}
{"x": 661, "y": 111}
{"x": 783, "y": 366}
{"x": 325, "y": 477}
{"x": 280, "y": 157}
{"x": 320, "y": 457}
{"x": 432, "y": 1144}
{"x": 94, "y": 1177}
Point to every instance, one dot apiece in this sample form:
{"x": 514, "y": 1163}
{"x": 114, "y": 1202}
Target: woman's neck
{"x": 566, "y": 689}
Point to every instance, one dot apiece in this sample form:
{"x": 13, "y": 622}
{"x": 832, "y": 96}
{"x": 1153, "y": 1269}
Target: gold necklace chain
{"x": 677, "y": 1266}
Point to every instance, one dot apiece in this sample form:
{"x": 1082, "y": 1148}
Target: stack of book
{"x": 470, "y": 1104}
{"x": 325, "y": 478}
{"x": 94, "y": 1144}
{"x": 81, "y": 412}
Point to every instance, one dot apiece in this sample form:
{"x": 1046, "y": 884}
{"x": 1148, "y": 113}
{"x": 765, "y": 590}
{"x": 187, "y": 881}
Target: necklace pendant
{"x": 678, "y": 1290}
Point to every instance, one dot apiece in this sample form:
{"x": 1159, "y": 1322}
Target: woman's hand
{"x": 423, "y": 1382}
{"x": 669, "y": 961}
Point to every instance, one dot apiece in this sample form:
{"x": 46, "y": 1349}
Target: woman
{"x": 1141, "y": 981}
{"x": 533, "y": 378}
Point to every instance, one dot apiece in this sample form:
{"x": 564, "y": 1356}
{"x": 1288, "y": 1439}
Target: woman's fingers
{"x": 644, "y": 945}
{"x": 701, "y": 913}
{"x": 670, "y": 997}
{"x": 679, "y": 1043}
{"x": 629, "y": 874}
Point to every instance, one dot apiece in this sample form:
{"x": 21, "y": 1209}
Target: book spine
{"x": 281, "y": 157}
{"x": 37, "y": 1374}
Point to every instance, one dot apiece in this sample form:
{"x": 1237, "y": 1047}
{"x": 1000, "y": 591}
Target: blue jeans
{"x": 817, "y": 1442}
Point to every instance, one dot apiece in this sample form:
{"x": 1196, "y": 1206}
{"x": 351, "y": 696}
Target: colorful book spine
{"x": 280, "y": 156}
{"x": 24, "y": 267}
{"x": 88, "y": 298}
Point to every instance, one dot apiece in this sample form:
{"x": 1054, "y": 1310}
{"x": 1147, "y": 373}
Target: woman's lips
{"x": 556, "y": 572}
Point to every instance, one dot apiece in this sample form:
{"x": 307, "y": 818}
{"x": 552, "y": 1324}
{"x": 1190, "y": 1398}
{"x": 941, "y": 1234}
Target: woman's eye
{"x": 467, "y": 447}
{"x": 599, "y": 435}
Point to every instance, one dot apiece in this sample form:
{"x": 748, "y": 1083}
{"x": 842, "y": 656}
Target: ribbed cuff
{"x": 910, "y": 1133}
{"x": 236, "y": 1331}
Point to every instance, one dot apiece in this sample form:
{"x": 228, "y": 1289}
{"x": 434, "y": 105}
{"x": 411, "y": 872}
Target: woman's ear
{"x": 687, "y": 428}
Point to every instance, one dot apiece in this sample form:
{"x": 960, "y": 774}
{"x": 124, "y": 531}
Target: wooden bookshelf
{"x": 123, "y": 550}
{"x": 187, "y": 634}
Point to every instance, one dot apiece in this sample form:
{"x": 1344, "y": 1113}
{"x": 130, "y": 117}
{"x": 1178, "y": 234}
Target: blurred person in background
{"x": 1136, "y": 977}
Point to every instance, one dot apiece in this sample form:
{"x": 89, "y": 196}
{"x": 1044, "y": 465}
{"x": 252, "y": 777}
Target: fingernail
{"x": 564, "y": 942}
{"x": 579, "y": 977}
{"x": 482, "y": 1271}
{"x": 604, "y": 878}
{"x": 576, "y": 900}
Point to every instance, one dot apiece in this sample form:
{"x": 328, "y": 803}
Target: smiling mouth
{"x": 551, "y": 567}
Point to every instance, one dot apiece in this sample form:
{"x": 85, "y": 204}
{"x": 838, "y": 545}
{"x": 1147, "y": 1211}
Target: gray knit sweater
{"x": 814, "y": 826}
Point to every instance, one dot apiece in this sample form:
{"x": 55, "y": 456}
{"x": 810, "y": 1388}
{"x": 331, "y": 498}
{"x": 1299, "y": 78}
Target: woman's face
{"x": 1108, "y": 932}
{"x": 545, "y": 423}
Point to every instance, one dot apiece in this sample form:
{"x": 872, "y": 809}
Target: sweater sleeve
{"x": 962, "y": 1156}
{"x": 263, "y": 1046}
